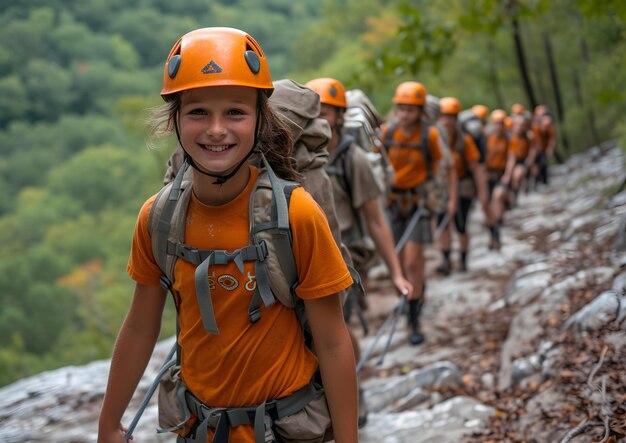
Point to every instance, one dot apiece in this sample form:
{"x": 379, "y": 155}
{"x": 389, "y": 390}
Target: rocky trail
{"x": 528, "y": 345}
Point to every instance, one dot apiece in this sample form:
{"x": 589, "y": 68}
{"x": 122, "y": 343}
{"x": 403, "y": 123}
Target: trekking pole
{"x": 397, "y": 311}
{"x": 169, "y": 361}
{"x": 390, "y": 318}
{"x": 442, "y": 227}
{"x": 361, "y": 317}
{"x": 419, "y": 212}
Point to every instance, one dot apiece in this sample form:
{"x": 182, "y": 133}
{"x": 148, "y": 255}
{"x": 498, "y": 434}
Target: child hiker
{"x": 246, "y": 371}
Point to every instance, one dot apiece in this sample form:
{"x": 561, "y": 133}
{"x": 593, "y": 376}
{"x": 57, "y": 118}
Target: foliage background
{"x": 77, "y": 78}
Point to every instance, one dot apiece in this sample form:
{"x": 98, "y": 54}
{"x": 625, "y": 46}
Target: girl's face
{"x": 217, "y": 125}
{"x": 448, "y": 121}
{"x": 408, "y": 115}
{"x": 498, "y": 128}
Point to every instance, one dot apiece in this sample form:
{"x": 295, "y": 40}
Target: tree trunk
{"x": 521, "y": 62}
{"x": 493, "y": 74}
{"x": 557, "y": 91}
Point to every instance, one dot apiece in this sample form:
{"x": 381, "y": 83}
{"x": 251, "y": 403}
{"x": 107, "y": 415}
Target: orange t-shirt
{"x": 544, "y": 137}
{"x": 470, "y": 154}
{"x": 246, "y": 364}
{"x": 519, "y": 146}
{"x": 407, "y": 159}
{"x": 497, "y": 152}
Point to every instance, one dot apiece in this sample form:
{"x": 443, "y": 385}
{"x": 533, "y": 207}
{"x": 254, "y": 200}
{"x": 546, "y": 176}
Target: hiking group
{"x": 278, "y": 201}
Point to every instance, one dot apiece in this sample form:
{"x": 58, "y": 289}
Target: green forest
{"x": 77, "y": 80}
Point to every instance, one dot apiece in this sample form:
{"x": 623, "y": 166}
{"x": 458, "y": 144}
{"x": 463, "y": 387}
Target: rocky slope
{"x": 528, "y": 345}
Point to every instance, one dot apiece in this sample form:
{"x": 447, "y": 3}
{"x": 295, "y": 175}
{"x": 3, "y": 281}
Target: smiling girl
{"x": 243, "y": 371}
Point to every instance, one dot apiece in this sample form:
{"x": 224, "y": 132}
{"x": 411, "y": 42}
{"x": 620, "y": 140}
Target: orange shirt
{"x": 470, "y": 154}
{"x": 497, "y": 152}
{"x": 407, "y": 159}
{"x": 246, "y": 364}
{"x": 544, "y": 137}
{"x": 519, "y": 146}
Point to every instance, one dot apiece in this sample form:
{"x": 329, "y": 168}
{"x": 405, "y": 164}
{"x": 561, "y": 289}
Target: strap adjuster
{"x": 165, "y": 282}
{"x": 254, "y": 315}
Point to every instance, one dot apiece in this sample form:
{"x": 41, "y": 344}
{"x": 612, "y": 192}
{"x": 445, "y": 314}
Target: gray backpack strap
{"x": 391, "y": 130}
{"x": 169, "y": 205}
{"x": 425, "y": 151}
{"x": 277, "y": 233}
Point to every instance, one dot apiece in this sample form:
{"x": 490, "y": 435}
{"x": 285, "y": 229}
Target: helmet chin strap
{"x": 220, "y": 179}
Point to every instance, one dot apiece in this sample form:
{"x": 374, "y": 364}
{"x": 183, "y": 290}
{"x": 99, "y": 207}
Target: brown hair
{"x": 273, "y": 138}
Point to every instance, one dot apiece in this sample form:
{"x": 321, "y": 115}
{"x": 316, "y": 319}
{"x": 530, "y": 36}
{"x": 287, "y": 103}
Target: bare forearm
{"x": 452, "y": 180}
{"x": 381, "y": 234}
{"x": 480, "y": 178}
{"x": 132, "y": 352}
{"x": 130, "y": 357}
{"x": 337, "y": 367}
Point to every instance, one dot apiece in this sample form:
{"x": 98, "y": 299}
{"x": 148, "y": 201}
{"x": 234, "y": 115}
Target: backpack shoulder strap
{"x": 391, "y": 131}
{"x": 277, "y": 275}
{"x": 425, "y": 149}
{"x": 166, "y": 223}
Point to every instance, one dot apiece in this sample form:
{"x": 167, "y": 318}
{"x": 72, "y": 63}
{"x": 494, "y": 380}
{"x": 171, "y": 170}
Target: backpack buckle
{"x": 165, "y": 282}
{"x": 254, "y": 315}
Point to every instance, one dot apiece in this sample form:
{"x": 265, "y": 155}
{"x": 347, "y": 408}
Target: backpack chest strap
{"x": 256, "y": 253}
{"x": 196, "y": 256}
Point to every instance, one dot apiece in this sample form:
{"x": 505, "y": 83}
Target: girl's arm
{"x": 508, "y": 171}
{"x": 480, "y": 180}
{"x": 337, "y": 364}
{"x": 378, "y": 228}
{"x": 133, "y": 348}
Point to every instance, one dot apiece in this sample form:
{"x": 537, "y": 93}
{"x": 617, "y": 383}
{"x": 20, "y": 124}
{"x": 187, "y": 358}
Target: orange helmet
{"x": 517, "y": 108}
{"x": 410, "y": 93}
{"x": 216, "y": 57}
{"x": 331, "y": 91}
{"x": 449, "y": 105}
{"x": 480, "y": 111}
{"x": 498, "y": 116}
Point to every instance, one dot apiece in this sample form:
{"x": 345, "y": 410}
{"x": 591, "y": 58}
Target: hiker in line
{"x": 413, "y": 149}
{"x": 471, "y": 183}
{"x": 497, "y": 161}
{"x": 357, "y": 194}
{"x": 543, "y": 130}
{"x": 522, "y": 149}
{"x": 215, "y": 85}
{"x": 482, "y": 114}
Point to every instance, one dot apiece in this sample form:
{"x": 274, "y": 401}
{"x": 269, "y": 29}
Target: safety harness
{"x": 405, "y": 200}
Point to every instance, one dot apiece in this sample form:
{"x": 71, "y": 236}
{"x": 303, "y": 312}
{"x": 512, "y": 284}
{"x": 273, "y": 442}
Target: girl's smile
{"x": 217, "y": 126}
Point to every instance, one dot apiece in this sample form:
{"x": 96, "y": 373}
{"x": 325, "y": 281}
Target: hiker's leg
{"x": 460, "y": 222}
{"x": 413, "y": 257}
{"x": 445, "y": 246}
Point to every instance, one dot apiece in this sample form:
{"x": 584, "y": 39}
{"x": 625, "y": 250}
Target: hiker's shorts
{"x": 493, "y": 178}
{"x": 422, "y": 234}
{"x": 463, "y": 207}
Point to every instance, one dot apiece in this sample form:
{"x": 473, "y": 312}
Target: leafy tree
{"x": 48, "y": 88}
{"x": 101, "y": 178}
{"x": 14, "y": 102}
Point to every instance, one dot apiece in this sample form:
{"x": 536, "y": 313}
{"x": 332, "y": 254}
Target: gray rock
{"x": 448, "y": 421}
{"x": 390, "y": 390}
{"x": 618, "y": 200}
{"x": 596, "y": 314}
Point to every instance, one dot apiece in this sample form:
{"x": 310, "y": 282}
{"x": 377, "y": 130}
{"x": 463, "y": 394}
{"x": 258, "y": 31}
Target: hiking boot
{"x": 415, "y": 309}
{"x": 416, "y": 338}
{"x": 444, "y": 268}
{"x": 463, "y": 266}
{"x": 362, "y": 409}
